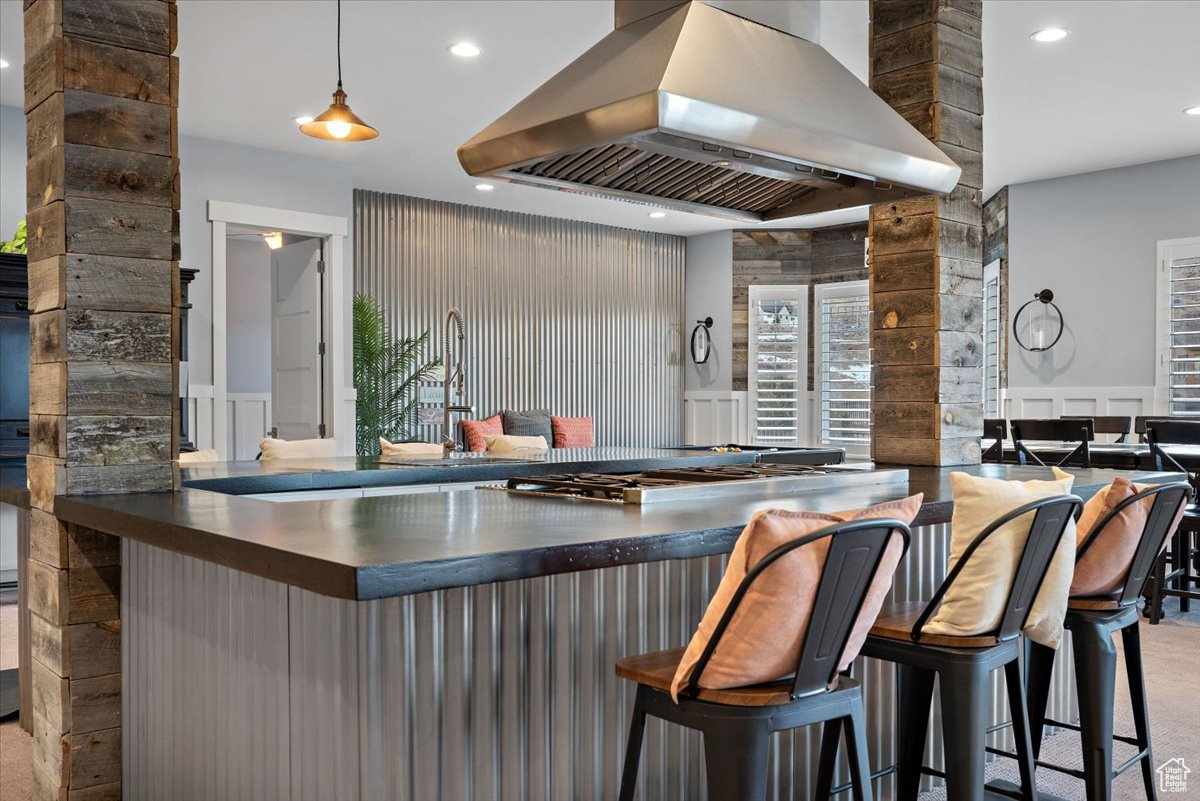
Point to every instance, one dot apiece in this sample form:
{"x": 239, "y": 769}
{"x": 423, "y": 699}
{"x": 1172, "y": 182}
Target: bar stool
{"x": 963, "y": 664}
{"x": 737, "y": 723}
{"x": 995, "y": 429}
{"x": 1080, "y": 430}
{"x": 1183, "y": 578}
{"x": 1092, "y": 623}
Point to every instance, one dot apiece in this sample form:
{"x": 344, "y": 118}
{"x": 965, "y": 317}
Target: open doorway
{"x": 278, "y": 319}
{"x": 275, "y": 370}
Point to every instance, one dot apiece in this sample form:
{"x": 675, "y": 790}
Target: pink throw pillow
{"x": 1104, "y": 566}
{"x": 474, "y": 431}
{"x": 762, "y": 642}
{"x": 573, "y": 432}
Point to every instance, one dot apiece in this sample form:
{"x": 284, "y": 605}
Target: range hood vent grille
{"x": 624, "y": 169}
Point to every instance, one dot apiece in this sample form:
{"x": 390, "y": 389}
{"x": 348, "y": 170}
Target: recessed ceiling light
{"x": 484, "y": 187}
{"x": 305, "y": 120}
{"x": 465, "y": 50}
{"x": 1194, "y": 111}
{"x": 3, "y": 63}
{"x": 658, "y": 215}
{"x": 1049, "y": 34}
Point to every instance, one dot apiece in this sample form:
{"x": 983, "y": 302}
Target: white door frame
{"x": 334, "y": 230}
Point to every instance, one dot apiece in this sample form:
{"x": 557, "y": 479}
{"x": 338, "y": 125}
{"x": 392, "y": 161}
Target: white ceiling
{"x": 1111, "y": 94}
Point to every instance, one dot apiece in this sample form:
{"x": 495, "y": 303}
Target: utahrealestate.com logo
{"x": 1172, "y": 776}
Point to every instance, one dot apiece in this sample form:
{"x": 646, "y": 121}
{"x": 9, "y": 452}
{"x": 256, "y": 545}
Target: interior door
{"x": 297, "y": 341}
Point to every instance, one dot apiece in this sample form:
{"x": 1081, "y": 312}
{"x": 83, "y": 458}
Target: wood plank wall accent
{"x": 789, "y": 258}
{"x": 926, "y": 254}
{"x": 101, "y": 97}
{"x": 995, "y": 247}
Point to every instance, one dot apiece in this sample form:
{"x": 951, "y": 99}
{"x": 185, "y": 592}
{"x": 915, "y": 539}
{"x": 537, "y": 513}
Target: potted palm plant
{"x": 387, "y": 372}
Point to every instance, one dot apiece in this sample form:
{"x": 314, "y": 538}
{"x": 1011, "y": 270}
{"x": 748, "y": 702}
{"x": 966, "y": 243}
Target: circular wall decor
{"x": 1039, "y": 328}
{"x": 701, "y": 344}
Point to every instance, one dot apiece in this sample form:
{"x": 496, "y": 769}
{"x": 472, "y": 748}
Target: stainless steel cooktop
{"x": 674, "y": 484}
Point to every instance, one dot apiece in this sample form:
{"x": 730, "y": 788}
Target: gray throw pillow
{"x": 530, "y": 423}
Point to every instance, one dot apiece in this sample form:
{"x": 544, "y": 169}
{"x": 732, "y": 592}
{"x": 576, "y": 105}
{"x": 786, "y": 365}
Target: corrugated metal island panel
{"x": 580, "y": 318}
{"x": 239, "y": 687}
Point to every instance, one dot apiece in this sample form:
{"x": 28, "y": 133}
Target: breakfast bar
{"x": 445, "y": 645}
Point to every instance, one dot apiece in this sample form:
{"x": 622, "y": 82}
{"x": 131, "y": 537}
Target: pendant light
{"x": 338, "y": 122}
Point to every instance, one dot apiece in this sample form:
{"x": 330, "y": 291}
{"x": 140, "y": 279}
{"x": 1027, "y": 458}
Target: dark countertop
{"x": 13, "y": 488}
{"x": 248, "y": 478}
{"x": 365, "y": 548}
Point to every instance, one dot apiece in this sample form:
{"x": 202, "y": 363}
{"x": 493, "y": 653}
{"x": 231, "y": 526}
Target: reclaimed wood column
{"x": 926, "y": 254}
{"x": 101, "y": 92}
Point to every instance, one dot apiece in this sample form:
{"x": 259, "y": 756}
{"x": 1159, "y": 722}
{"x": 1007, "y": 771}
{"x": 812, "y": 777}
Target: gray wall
{"x": 209, "y": 170}
{"x": 579, "y": 318}
{"x": 212, "y": 170}
{"x": 248, "y": 315}
{"x": 12, "y": 169}
{"x": 1091, "y": 239}
{"x": 709, "y": 285}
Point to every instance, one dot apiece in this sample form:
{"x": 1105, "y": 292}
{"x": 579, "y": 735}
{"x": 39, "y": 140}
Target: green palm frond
{"x": 387, "y": 373}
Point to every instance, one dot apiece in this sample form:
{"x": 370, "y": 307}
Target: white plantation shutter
{"x": 844, "y": 364}
{"x": 993, "y": 331}
{"x": 778, "y": 370}
{"x": 1180, "y": 331}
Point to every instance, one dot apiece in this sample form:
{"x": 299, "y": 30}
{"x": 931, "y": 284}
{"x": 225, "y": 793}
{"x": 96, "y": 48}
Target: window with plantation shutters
{"x": 778, "y": 369}
{"x": 993, "y": 333}
{"x": 1179, "y": 326}
{"x": 843, "y": 361}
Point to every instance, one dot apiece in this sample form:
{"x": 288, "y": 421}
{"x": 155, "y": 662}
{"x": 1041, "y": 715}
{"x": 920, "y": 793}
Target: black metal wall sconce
{"x": 701, "y": 344}
{"x": 1044, "y": 323}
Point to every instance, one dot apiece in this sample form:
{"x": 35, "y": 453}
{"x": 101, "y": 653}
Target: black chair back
{"x": 1106, "y": 424}
{"x": 1058, "y": 429}
{"x": 1168, "y": 500}
{"x": 855, "y": 551}
{"x": 1050, "y": 519}
{"x": 995, "y": 428}
{"x": 1142, "y": 420}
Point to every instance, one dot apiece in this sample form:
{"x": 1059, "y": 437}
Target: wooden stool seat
{"x": 657, "y": 670}
{"x": 896, "y": 622}
{"x": 1101, "y": 603}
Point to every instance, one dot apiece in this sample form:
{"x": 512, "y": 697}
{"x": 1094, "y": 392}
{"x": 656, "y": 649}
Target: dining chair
{"x": 737, "y": 723}
{"x": 1106, "y": 424}
{"x": 995, "y": 429}
{"x": 1065, "y": 430}
{"x": 963, "y": 665}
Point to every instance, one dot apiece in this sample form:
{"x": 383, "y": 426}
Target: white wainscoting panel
{"x": 249, "y": 421}
{"x": 200, "y": 415}
{"x": 713, "y": 417}
{"x": 1033, "y": 402}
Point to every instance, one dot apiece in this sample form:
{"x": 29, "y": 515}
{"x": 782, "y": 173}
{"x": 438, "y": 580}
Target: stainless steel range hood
{"x": 701, "y": 110}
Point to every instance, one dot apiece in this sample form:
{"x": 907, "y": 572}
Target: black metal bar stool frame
{"x": 963, "y": 672}
{"x": 1184, "y": 551}
{"x": 1092, "y": 631}
{"x": 737, "y": 738}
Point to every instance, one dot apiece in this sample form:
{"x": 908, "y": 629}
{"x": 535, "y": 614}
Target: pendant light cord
{"x": 339, "y": 42}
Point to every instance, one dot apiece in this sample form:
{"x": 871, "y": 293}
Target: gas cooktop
{"x": 683, "y": 483}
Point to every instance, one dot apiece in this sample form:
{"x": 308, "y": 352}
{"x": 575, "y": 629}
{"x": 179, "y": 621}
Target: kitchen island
{"x": 442, "y": 646}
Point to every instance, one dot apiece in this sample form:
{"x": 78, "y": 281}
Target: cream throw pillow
{"x": 975, "y": 602}
{"x": 408, "y": 448}
{"x": 198, "y": 457}
{"x": 297, "y": 448}
{"x": 503, "y": 443}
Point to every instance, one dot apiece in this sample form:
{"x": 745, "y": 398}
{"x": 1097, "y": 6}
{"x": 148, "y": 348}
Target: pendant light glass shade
{"x": 338, "y": 123}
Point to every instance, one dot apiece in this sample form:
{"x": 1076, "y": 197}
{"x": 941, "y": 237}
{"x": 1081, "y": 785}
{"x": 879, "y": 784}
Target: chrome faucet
{"x": 449, "y": 445}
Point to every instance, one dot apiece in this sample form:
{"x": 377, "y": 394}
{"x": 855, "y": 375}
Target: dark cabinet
{"x": 14, "y": 356}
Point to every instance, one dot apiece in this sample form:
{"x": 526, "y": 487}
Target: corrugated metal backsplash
{"x": 579, "y": 318}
